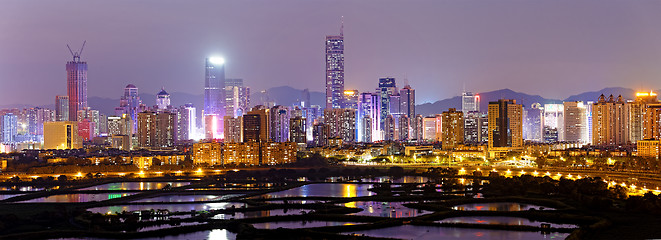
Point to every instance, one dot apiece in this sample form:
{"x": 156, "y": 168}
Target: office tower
{"x": 429, "y": 129}
{"x": 305, "y": 98}
{"x": 321, "y": 134}
{"x": 610, "y": 121}
{"x": 163, "y": 99}
{"x": 505, "y": 124}
{"x": 470, "y": 102}
{"x": 453, "y": 128}
{"x": 407, "y": 101}
{"x": 35, "y": 118}
{"x": 575, "y": 124}
{"x": 61, "y": 108}
{"x": 471, "y": 127}
{"x": 550, "y": 134}
{"x": 62, "y": 135}
{"x": 103, "y": 124}
{"x": 214, "y": 96}
{"x": 403, "y": 128}
{"x": 120, "y": 125}
{"x": 342, "y": 123}
{"x": 387, "y": 88}
{"x": 237, "y": 97}
{"x": 279, "y": 124}
{"x": 187, "y": 122}
{"x": 334, "y": 70}
{"x": 76, "y": 84}
{"x": 156, "y": 129}
{"x": 389, "y": 128}
{"x": 86, "y": 129}
{"x": 638, "y": 114}
{"x": 256, "y": 125}
{"x": 534, "y": 123}
{"x": 297, "y": 130}
{"x": 554, "y": 118}
{"x": 364, "y": 117}
{"x": 233, "y": 129}
{"x": 130, "y": 104}
{"x": 350, "y": 99}
{"x": 94, "y": 117}
{"x": 417, "y": 128}
{"x": 9, "y": 128}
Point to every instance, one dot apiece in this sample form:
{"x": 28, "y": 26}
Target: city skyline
{"x": 546, "y": 46}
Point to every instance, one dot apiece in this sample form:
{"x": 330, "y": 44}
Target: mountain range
{"x": 288, "y": 96}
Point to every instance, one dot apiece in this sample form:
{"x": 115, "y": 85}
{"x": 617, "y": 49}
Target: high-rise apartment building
{"x": 554, "y": 118}
{"x": 120, "y": 125}
{"x": 505, "y": 126}
{"x": 157, "y": 129}
{"x": 641, "y": 114}
{"x": 534, "y": 123}
{"x": 335, "y": 70}
{"x": 233, "y": 129}
{"x": 237, "y": 97}
{"x": 214, "y": 96}
{"x": 297, "y": 130}
{"x": 76, "y": 85}
{"x": 342, "y": 123}
{"x": 8, "y": 128}
{"x": 256, "y": 125}
{"x": 279, "y": 124}
{"x": 61, "y": 108}
{"x": 575, "y": 122}
{"x": 610, "y": 121}
{"x": 470, "y": 102}
{"x": 453, "y": 128}
{"x": 429, "y": 132}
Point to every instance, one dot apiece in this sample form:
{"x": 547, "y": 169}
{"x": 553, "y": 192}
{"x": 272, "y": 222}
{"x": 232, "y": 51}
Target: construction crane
{"x": 76, "y": 55}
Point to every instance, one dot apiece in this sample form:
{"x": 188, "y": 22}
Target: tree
{"x": 62, "y": 178}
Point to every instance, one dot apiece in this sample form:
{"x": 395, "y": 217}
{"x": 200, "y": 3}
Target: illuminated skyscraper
{"x": 407, "y": 101}
{"x": 62, "y": 135}
{"x": 156, "y": 129}
{"x": 575, "y": 122}
{"x": 453, "y": 128}
{"x": 237, "y": 97}
{"x": 297, "y": 130}
{"x": 342, "y": 123}
{"x": 163, "y": 99}
{"x": 367, "y": 117}
{"x": 214, "y": 93}
{"x": 470, "y": 102}
{"x": 387, "y": 88}
{"x": 505, "y": 126}
{"x": 335, "y": 70}
{"x": 279, "y": 124}
{"x": 610, "y": 121}
{"x": 61, "y": 108}
{"x": 76, "y": 85}
{"x": 8, "y": 128}
{"x": 350, "y": 99}
{"x": 256, "y": 125}
{"x": 129, "y": 104}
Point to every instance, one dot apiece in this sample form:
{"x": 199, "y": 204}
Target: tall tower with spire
{"x": 335, "y": 69}
{"x": 76, "y": 84}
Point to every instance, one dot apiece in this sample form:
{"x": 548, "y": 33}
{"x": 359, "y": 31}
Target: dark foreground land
{"x": 594, "y": 210}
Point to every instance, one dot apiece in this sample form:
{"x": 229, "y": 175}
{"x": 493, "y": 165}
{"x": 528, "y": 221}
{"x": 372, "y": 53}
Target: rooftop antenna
{"x": 76, "y": 55}
{"x": 342, "y": 28}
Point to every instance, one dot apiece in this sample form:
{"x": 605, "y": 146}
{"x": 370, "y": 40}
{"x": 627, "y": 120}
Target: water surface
{"x": 434, "y": 233}
{"x": 499, "y": 206}
{"x": 136, "y": 186}
{"x": 385, "y": 209}
{"x": 502, "y": 221}
{"x": 78, "y": 197}
{"x": 325, "y": 190}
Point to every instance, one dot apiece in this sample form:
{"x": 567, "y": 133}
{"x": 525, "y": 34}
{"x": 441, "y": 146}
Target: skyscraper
{"x": 163, "y": 99}
{"x": 342, "y": 123}
{"x": 129, "y": 104}
{"x": 9, "y": 128}
{"x": 156, "y": 129}
{"x": 407, "y": 101}
{"x": 470, "y": 102}
{"x": 350, "y": 99}
{"x": 76, "y": 84}
{"x": 61, "y": 108}
{"x": 237, "y": 97}
{"x": 334, "y": 70}
{"x": 505, "y": 126}
{"x": 214, "y": 93}
{"x": 62, "y": 135}
{"x": 575, "y": 118}
{"x": 453, "y": 128}
{"x": 279, "y": 124}
{"x": 610, "y": 121}
{"x": 387, "y": 88}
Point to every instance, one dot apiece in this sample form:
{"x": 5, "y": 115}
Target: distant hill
{"x": 485, "y": 97}
{"x": 627, "y": 93}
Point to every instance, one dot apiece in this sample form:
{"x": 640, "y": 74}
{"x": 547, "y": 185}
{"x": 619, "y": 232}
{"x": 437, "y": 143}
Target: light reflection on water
{"x": 170, "y": 207}
{"x": 216, "y": 234}
{"x": 186, "y": 198}
{"x": 502, "y": 220}
{"x": 325, "y": 190}
{"x": 78, "y": 197}
{"x": 498, "y": 206}
{"x": 136, "y": 186}
{"x": 433, "y": 233}
{"x": 385, "y": 209}
{"x": 299, "y": 224}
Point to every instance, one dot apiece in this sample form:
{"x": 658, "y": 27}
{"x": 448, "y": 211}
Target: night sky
{"x": 551, "y": 48}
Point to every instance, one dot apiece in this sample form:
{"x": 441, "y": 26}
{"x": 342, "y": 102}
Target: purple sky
{"x": 551, "y": 48}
